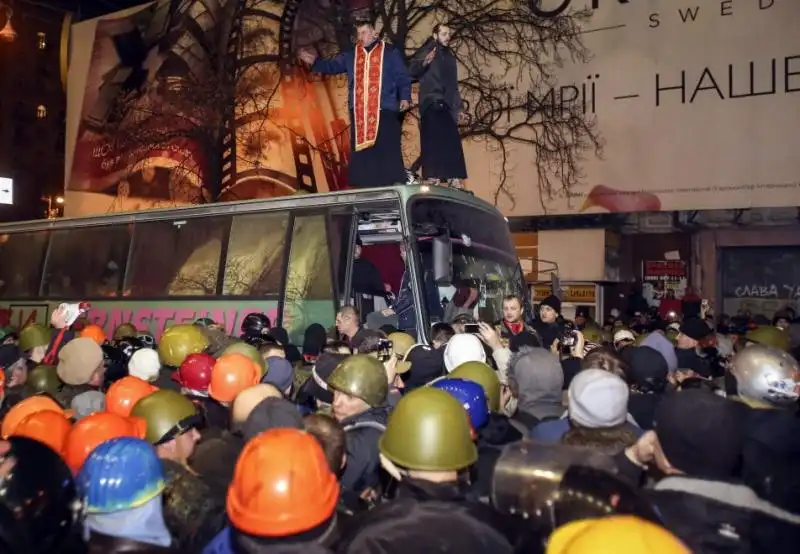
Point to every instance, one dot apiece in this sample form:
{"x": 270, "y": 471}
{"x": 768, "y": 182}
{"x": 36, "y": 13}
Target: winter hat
{"x": 463, "y": 348}
{"x": 78, "y": 360}
{"x": 272, "y": 413}
{"x": 317, "y": 386}
{"x": 623, "y": 334}
{"x": 88, "y": 403}
{"x": 540, "y": 380}
{"x": 597, "y": 399}
{"x": 657, "y": 341}
{"x": 552, "y": 301}
{"x": 700, "y": 433}
{"x": 279, "y": 373}
{"x": 144, "y": 364}
{"x": 9, "y": 356}
{"x": 695, "y": 328}
{"x": 645, "y": 365}
{"x": 314, "y": 340}
{"x": 427, "y": 364}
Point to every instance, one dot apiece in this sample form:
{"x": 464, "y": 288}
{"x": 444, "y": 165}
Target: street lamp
{"x": 52, "y": 212}
{"x": 7, "y": 33}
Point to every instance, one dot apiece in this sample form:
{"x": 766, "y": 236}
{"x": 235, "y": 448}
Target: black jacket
{"x": 713, "y": 517}
{"x": 438, "y": 81}
{"x": 363, "y": 460}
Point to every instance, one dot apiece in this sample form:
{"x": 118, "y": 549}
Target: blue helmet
{"x": 471, "y": 395}
{"x": 120, "y": 474}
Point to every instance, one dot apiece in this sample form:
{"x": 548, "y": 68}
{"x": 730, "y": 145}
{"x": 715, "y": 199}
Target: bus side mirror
{"x": 443, "y": 260}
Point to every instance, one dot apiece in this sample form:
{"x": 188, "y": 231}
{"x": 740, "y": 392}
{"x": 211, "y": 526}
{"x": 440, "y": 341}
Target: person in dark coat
{"x": 376, "y": 158}
{"x": 697, "y": 444}
{"x": 693, "y": 331}
{"x": 646, "y": 374}
{"x": 548, "y": 325}
{"x": 440, "y": 108}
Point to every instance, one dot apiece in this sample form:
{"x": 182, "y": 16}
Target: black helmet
{"x": 255, "y": 324}
{"x": 204, "y": 322}
{"x": 40, "y": 510}
{"x": 148, "y": 340}
{"x": 115, "y": 363}
{"x": 128, "y": 346}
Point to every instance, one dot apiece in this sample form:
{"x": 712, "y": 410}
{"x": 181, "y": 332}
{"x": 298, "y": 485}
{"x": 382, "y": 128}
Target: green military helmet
{"x": 429, "y": 430}
{"x": 33, "y": 335}
{"x": 179, "y": 341}
{"x": 485, "y": 376}
{"x": 43, "y": 378}
{"x": 248, "y": 350}
{"x": 593, "y": 334}
{"x": 361, "y": 376}
{"x": 769, "y": 336}
{"x": 672, "y": 335}
{"x": 163, "y": 411}
{"x": 125, "y": 331}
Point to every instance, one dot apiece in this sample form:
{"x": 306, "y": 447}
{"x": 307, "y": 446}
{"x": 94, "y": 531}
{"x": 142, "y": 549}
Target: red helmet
{"x": 195, "y": 372}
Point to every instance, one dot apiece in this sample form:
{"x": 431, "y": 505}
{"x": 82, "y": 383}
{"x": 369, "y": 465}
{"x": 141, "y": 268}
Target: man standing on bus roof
{"x": 379, "y": 88}
{"x": 440, "y": 108}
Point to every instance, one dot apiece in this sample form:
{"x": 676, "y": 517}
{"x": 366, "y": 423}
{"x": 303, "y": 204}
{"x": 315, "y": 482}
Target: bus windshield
{"x": 485, "y": 265}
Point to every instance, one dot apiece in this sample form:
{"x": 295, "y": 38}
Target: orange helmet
{"x": 46, "y": 426}
{"x": 23, "y": 409}
{"x": 123, "y": 395}
{"x": 2, "y": 383}
{"x": 94, "y": 332}
{"x": 282, "y": 485}
{"x": 231, "y": 375}
{"x": 97, "y": 428}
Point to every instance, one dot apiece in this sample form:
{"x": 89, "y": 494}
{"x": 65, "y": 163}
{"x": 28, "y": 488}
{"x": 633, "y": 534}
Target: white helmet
{"x": 766, "y": 374}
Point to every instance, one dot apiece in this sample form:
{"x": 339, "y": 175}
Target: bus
{"x": 290, "y": 257}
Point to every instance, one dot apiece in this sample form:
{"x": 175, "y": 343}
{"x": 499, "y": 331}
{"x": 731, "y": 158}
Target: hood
{"x": 659, "y": 342}
{"x": 540, "y": 380}
{"x": 498, "y": 432}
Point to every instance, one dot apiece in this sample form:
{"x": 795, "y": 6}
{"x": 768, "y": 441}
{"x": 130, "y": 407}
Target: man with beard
{"x": 440, "y": 108}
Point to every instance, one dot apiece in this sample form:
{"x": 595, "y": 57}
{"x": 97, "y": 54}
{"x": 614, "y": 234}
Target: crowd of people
{"x": 639, "y": 435}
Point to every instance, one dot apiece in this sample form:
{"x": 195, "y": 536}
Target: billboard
{"x": 697, "y": 103}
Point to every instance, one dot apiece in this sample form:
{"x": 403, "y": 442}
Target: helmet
{"x": 593, "y": 335}
{"x": 429, "y": 430}
{"x": 97, "y": 428}
{"x": 23, "y": 409}
{"x": 32, "y": 336}
{"x": 282, "y": 485}
{"x": 40, "y": 508}
{"x": 144, "y": 364}
{"x": 47, "y": 427}
{"x": 485, "y": 377}
{"x": 123, "y": 395}
{"x": 120, "y": 474}
{"x": 94, "y": 332}
{"x": 255, "y": 324}
{"x": 401, "y": 344}
{"x": 125, "y": 331}
{"x": 43, "y": 378}
{"x": 361, "y": 376}
{"x": 766, "y": 374}
{"x": 195, "y": 372}
{"x": 128, "y": 346}
{"x": 179, "y": 341}
{"x": 249, "y": 398}
{"x": 470, "y": 395}
{"x": 621, "y": 534}
{"x": 204, "y": 322}
{"x": 769, "y": 336}
{"x": 248, "y": 350}
{"x": 231, "y": 375}
{"x": 148, "y": 340}
{"x": 167, "y": 413}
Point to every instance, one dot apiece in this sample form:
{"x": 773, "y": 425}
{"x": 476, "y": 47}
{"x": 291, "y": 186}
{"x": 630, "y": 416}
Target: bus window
{"x": 176, "y": 258}
{"x": 255, "y": 254}
{"x": 309, "y": 291}
{"x": 22, "y": 255}
{"x": 86, "y": 262}
{"x": 485, "y": 266}
{"x": 341, "y": 249}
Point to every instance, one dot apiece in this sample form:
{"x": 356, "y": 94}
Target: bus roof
{"x": 300, "y": 201}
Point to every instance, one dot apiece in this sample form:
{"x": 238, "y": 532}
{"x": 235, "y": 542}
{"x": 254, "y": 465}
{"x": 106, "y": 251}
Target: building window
{"x": 41, "y": 112}
{"x": 41, "y": 41}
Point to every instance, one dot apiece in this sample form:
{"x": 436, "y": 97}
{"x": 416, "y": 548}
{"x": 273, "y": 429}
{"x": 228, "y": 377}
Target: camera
{"x": 568, "y": 338}
{"x": 472, "y": 328}
{"x": 385, "y": 347}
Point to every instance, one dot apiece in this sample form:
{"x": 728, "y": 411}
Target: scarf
{"x": 143, "y": 524}
{"x": 515, "y": 328}
{"x": 367, "y": 81}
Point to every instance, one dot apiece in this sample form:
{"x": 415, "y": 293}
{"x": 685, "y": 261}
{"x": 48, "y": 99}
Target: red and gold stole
{"x": 367, "y": 79}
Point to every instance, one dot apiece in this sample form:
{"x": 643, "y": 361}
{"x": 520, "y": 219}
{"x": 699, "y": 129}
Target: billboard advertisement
{"x": 696, "y": 102}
